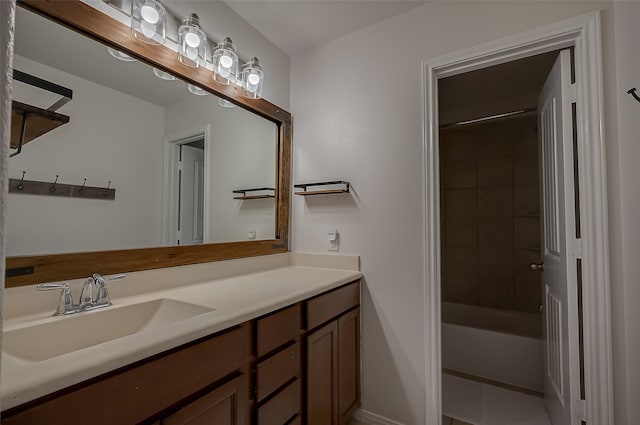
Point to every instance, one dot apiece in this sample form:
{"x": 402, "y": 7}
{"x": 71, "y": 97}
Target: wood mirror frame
{"x": 79, "y": 17}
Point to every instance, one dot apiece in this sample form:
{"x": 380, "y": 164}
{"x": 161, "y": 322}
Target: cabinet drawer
{"x": 277, "y": 329}
{"x": 274, "y": 372}
{"x": 327, "y": 306}
{"x": 282, "y": 407}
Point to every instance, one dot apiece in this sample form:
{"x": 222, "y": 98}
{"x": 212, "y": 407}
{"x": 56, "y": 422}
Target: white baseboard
{"x": 370, "y": 418}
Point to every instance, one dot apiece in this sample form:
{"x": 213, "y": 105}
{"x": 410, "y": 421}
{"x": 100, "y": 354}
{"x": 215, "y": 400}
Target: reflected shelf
{"x": 336, "y": 187}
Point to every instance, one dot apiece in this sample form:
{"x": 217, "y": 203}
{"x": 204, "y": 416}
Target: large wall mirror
{"x": 177, "y": 148}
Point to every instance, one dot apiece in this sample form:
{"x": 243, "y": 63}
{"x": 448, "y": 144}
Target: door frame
{"x": 584, "y": 34}
{"x": 170, "y": 180}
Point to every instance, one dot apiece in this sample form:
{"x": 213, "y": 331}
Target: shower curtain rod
{"x": 489, "y": 118}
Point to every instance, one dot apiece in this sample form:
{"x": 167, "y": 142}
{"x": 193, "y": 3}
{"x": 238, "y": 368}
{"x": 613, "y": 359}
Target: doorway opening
{"x": 186, "y": 190}
{"x": 582, "y": 257}
{"x": 490, "y": 194}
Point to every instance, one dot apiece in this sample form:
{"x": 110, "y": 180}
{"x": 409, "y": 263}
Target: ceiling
{"x": 296, "y": 25}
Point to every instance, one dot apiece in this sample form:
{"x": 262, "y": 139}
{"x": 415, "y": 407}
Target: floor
{"x": 470, "y": 402}
{"x": 479, "y": 403}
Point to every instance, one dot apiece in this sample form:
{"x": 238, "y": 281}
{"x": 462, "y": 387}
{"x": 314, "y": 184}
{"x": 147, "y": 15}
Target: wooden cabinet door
{"x": 348, "y": 365}
{"x": 226, "y": 405}
{"x": 322, "y": 371}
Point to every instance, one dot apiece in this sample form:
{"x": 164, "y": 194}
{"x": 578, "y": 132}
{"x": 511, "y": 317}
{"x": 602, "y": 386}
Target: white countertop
{"x": 272, "y": 282}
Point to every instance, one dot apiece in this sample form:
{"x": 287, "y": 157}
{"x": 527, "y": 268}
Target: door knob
{"x": 537, "y": 266}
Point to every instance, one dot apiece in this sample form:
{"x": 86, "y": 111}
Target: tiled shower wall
{"x": 490, "y": 214}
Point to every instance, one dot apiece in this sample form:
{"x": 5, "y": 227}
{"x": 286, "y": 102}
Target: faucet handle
{"x": 102, "y": 298}
{"x": 65, "y": 306}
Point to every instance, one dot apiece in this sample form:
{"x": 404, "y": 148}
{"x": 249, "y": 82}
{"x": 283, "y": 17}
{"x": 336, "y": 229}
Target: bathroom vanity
{"x": 296, "y": 363}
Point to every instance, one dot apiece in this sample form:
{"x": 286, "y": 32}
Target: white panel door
{"x": 191, "y": 214}
{"x": 559, "y": 245}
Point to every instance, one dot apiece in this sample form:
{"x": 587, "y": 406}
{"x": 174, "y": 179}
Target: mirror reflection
{"x": 180, "y": 159}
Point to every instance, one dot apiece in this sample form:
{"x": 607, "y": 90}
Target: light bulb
{"x": 192, "y": 40}
{"x": 192, "y": 53}
{"x": 253, "y": 79}
{"x": 226, "y": 61}
{"x": 149, "y": 14}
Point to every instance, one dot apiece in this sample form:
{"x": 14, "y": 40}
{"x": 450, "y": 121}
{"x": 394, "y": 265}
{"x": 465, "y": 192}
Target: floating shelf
{"x": 345, "y": 187}
{"x": 37, "y": 122}
{"x": 30, "y": 122}
{"x": 243, "y": 193}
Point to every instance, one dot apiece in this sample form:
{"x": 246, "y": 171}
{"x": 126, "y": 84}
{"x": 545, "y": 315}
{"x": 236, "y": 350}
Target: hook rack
{"x": 34, "y": 187}
{"x": 632, "y": 92}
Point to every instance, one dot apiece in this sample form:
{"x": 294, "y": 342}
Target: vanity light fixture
{"x": 252, "y": 79}
{"x": 120, "y": 55}
{"x": 163, "y": 75}
{"x": 192, "y": 42}
{"x": 197, "y": 90}
{"x": 225, "y": 62}
{"x": 148, "y": 21}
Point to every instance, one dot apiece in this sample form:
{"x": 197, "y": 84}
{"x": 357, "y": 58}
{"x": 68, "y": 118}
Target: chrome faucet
{"x": 94, "y": 294}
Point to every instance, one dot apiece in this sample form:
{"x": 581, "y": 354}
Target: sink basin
{"x": 81, "y": 330}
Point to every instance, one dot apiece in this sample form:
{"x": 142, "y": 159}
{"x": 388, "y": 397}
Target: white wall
{"x": 111, "y": 136}
{"x": 242, "y": 155}
{"x": 626, "y": 309}
{"x": 357, "y": 103}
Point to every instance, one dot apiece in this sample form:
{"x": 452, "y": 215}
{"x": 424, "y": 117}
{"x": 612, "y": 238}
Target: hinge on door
{"x": 180, "y": 165}
{"x": 571, "y": 93}
{"x": 581, "y": 410}
{"x": 577, "y": 248}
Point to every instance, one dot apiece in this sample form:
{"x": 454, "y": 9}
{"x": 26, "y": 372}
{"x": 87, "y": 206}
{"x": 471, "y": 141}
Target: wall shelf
{"x": 30, "y": 122}
{"x": 264, "y": 193}
{"x": 343, "y": 187}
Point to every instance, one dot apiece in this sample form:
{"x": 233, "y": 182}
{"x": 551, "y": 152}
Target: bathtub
{"x": 501, "y": 345}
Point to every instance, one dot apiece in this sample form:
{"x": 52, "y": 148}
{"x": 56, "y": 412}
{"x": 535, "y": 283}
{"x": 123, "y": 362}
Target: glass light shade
{"x": 192, "y": 42}
{"x": 225, "y": 103}
{"x": 225, "y": 62}
{"x": 252, "y": 79}
{"x": 148, "y": 21}
{"x": 163, "y": 75}
{"x": 197, "y": 90}
{"x": 120, "y": 55}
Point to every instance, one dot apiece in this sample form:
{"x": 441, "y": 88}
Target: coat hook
{"x": 632, "y": 92}
{"x": 52, "y": 187}
{"x": 106, "y": 189}
{"x": 21, "y": 180}
{"x": 83, "y": 184}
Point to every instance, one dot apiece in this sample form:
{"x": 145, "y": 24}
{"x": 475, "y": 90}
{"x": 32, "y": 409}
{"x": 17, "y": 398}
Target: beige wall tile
{"x": 460, "y": 261}
{"x": 495, "y": 142}
{"x": 526, "y": 201}
{"x": 495, "y": 233}
{"x": 458, "y": 145}
{"x": 461, "y": 289}
{"x": 461, "y": 232}
{"x": 527, "y": 232}
{"x": 496, "y": 293}
{"x": 495, "y": 202}
{"x": 496, "y": 263}
{"x": 495, "y": 172}
{"x": 461, "y": 174}
{"x": 461, "y": 203}
{"x": 528, "y": 296}
{"x": 526, "y": 172}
